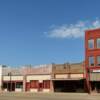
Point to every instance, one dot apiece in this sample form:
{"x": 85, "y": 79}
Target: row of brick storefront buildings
{"x": 75, "y": 77}
{"x": 44, "y": 78}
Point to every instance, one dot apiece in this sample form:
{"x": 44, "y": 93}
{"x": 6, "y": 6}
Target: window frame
{"x": 89, "y": 62}
{"x": 89, "y": 47}
{"x": 98, "y": 64}
{"x": 19, "y": 84}
{"x": 98, "y": 47}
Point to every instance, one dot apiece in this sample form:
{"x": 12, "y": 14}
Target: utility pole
{"x": 10, "y": 74}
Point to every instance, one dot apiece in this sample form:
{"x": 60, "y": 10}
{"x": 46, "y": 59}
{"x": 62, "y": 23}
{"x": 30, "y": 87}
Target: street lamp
{"x": 9, "y": 74}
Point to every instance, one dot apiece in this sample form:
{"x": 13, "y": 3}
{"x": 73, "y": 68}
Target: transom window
{"x": 91, "y": 61}
{"x": 98, "y": 43}
{"x": 91, "y": 44}
{"x": 98, "y": 60}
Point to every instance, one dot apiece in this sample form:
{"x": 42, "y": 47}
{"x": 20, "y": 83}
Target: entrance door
{"x": 11, "y": 86}
{"x": 40, "y": 86}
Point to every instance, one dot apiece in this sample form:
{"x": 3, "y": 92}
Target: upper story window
{"x": 98, "y": 43}
{"x": 91, "y": 44}
{"x": 98, "y": 60}
{"x": 91, "y": 61}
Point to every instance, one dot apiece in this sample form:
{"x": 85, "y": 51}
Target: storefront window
{"x": 4, "y": 85}
{"x": 98, "y": 60}
{"x": 91, "y": 44}
{"x": 19, "y": 85}
{"x": 91, "y": 61}
{"x": 98, "y": 43}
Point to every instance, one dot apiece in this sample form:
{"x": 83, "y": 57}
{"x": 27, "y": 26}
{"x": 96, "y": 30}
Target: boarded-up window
{"x": 27, "y": 86}
{"x": 34, "y": 84}
{"x": 46, "y": 84}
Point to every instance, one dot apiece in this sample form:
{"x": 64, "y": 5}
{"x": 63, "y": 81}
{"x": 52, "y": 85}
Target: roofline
{"x": 89, "y": 30}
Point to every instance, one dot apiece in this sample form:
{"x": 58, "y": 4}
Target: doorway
{"x": 68, "y": 85}
{"x": 95, "y": 86}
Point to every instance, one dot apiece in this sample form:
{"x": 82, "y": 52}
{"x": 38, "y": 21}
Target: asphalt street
{"x": 49, "y": 96}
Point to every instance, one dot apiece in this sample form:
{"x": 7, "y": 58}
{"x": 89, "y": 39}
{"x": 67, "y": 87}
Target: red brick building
{"x": 92, "y": 59}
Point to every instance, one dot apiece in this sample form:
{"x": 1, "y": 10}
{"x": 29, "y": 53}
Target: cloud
{"x": 72, "y": 30}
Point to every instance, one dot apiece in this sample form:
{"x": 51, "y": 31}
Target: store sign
{"x": 96, "y": 71}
